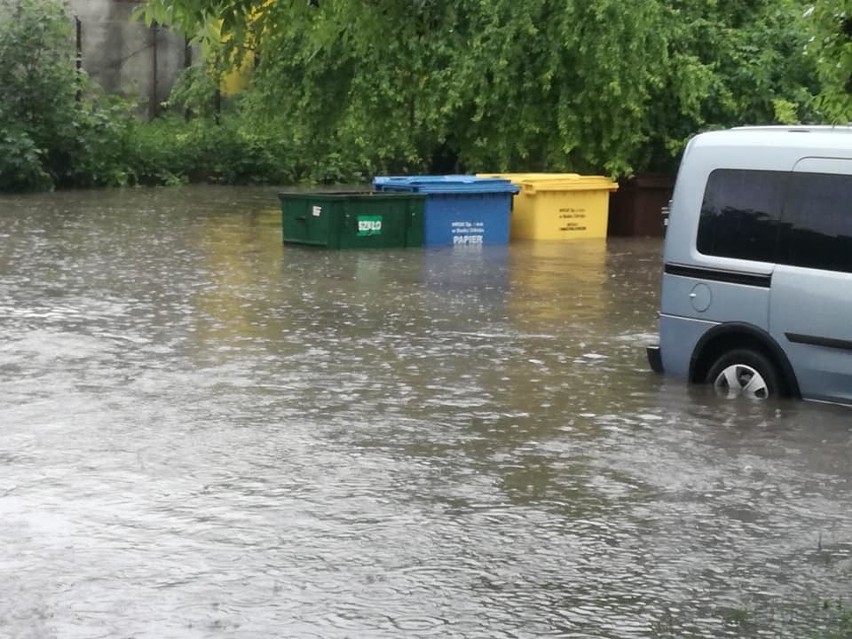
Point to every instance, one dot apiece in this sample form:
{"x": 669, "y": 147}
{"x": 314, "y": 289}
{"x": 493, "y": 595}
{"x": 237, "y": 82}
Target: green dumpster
{"x": 342, "y": 220}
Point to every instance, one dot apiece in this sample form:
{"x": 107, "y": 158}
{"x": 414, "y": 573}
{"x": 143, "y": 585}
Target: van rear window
{"x": 800, "y": 219}
{"x": 740, "y": 214}
{"x": 816, "y": 230}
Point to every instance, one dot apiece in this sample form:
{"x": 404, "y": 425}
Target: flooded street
{"x": 208, "y": 434}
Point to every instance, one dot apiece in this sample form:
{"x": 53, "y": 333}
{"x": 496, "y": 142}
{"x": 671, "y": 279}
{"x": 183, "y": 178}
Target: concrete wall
{"x": 124, "y": 56}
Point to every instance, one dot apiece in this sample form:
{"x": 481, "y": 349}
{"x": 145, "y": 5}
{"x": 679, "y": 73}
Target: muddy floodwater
{"x": 205, "y": 433}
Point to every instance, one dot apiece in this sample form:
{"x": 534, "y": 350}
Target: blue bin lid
{"x": 434, "y": 184}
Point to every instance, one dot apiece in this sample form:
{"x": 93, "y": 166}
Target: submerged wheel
{"x": 745, "y": 373}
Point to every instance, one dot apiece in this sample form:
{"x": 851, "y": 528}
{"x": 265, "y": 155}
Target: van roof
{"x": 824, "y": 138}
{"x": 797, "y": 128}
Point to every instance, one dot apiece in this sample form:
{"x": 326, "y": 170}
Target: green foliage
{"x": 561, "y": 87}
{"x": 158, "y": 154}
{"x": 39, "y": 84}
{"x": 448, "y": 85}
{"x": 347, "y": 89}
{"x": 537, "y": 85}
{"x": 830, "y": 22}
{"x": 229, "y": 154}
{"x": 57, "y": 129}
{"x": 203, "y": 20}
{"x": 729, "y": 63}
{"x": 194, "y": 91}
{"x": 37, "y": 73}
{"x": 840, "y": 621}
{"x": 173, "y": 151}
{"x": 100, "y": 145}
{"x": 21, "y": 163}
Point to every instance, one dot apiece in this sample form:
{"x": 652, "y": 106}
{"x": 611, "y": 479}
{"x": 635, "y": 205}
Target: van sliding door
{"x": 811, "y": 292}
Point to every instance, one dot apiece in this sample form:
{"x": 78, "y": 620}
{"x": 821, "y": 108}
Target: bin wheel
{"x": 745, "y": 373}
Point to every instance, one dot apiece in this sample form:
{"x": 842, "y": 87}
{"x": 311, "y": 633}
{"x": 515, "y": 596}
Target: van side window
{"x": 816, "y": 229}
{"x": 740, "y": 214}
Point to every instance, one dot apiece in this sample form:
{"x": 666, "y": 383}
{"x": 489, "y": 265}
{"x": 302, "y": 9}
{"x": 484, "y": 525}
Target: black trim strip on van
{"x": 718, "y": 275}
{"x": 813, "y": 340}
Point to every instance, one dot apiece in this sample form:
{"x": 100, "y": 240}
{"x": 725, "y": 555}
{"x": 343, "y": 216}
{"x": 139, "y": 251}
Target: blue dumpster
{"x": 459, "y": 209}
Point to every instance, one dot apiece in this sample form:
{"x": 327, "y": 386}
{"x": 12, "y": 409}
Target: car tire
{"x": 745, "y": 373}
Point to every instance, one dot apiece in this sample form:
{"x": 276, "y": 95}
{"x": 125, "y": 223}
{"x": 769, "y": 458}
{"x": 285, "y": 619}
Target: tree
{"x": 831, "y": 27}
{"x": 206, "y": 20}
{"x": 39, "y": 85}
{"x": 730, "y": 63}
{"x": 55, "y": 129}
{"x": 413, "y": 85}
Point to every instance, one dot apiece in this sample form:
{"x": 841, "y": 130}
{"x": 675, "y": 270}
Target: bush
{"x": 171, "y": 150}
{"x": 100, "y": 146}
{"x": 58, "y": 130}
{"x": 21, "y": 163}
{"x": 157, "y": 154}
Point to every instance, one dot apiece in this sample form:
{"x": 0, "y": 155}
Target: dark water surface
{"x": 206, "y": 434}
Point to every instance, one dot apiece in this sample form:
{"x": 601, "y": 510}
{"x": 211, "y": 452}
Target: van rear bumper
{"x": 655, "y": 358}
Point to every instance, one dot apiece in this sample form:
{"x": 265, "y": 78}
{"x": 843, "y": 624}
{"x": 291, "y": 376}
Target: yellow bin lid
{"x": 532, "y": 182}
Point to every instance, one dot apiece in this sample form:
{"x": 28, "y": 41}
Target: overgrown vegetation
{"x": 346, "y": 89}
{"x": 56, "y": 128}
{"x": 446, "y": 85}
{"x": 831, "y": 26}
{"x": 172, "y": 151}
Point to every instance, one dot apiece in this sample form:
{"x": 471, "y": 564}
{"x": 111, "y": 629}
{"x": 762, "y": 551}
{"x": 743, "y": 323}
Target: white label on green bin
{"x": 369, "y": 225}
{"x": 316, "y": 211}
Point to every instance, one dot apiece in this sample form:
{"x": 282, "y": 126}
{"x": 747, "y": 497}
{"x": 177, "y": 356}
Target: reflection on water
{"x": 543, "y": 270}
{"x": 207, "y": 433}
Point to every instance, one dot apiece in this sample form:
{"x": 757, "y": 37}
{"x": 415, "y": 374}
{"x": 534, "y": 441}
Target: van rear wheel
{"x": 745, "y": 373}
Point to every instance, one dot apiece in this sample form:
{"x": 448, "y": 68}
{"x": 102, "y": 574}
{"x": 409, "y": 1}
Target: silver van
{"x": 757, "y": 274}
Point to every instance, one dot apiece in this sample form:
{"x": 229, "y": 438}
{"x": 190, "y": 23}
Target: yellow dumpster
{"x": 559, "y": 206}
